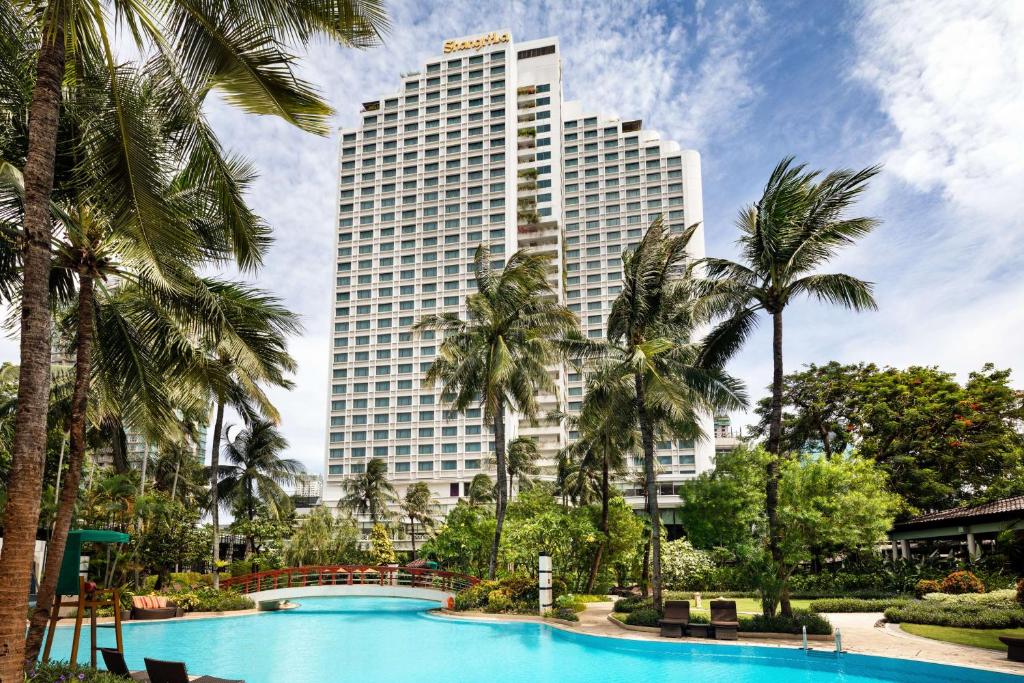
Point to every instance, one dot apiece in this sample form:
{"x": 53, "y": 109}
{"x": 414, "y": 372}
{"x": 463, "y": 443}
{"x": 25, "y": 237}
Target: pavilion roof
{"x": 999, "y": 509}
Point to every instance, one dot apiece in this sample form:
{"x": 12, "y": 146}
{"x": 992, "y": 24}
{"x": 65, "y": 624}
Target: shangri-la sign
{"x": 492, "y": 38}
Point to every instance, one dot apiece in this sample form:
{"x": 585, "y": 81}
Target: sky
{"x": 933, "y": 90}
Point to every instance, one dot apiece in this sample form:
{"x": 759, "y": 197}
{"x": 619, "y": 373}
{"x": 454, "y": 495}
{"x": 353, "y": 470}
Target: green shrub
{"x": 474, "y": 596}
{"x": 856, "y": 604}
{"x": 816, "y": 624}
{"x": 926, "y": 586}
{"x": 961, "y": 582}
{"x": 643, "y": 616}
{"x": 565, "y": 613}
{"x": 627, "y": 605}
{"x": 964, "y": 614}
{"x": 1004, "y": 599}
{"x": 58, "y": 672}
{"x": 498, "y": 601}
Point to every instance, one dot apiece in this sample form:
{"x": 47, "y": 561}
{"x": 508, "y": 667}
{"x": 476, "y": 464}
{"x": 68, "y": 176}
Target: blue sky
{"x": 932, "y": 89}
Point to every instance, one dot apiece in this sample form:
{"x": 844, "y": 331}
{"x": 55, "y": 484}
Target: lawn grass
{"x": 745, "y": 605}
{"x": 987, "y": 638}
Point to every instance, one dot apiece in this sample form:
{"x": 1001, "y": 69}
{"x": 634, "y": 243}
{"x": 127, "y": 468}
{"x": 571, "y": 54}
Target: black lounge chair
{"x": 677, "y": 618}
{"x": 174, "y": 672}
{"x": 724, "y": 620}
{"x": 113, "y": 659}
{"x": 1014, "y": 648}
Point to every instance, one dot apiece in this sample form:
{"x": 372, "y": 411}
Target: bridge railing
{"x": 349, "y": 575}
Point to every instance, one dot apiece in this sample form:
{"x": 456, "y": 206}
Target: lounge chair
{"x": 1014, "y": 648}
{"x": 723, "y": 619}
{"x": 677, "y": 618}
{"x": 113, "y": 659}
{"x": 145, "y": 607}
{"x": 175, "y": 672}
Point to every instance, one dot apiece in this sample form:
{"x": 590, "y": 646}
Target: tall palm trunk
{"x": 595, "y": 567}
{"x": 772, "y": 478}
{"x": 28, "y": 452}
{"x": 412, "y": 535}
{"x": 76, "y": 457}
{"x": 218, "y": 424}
{"x": 647, "y": 436}
{"x": 499, "y": 506}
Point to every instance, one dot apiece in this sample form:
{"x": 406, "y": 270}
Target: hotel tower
{"x": 479, "y": 147}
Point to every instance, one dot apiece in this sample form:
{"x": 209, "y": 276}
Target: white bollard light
{"x": 544, "y": 583}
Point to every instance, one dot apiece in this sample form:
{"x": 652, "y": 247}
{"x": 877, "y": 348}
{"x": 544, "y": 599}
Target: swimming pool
{"x": 393, "y": 639}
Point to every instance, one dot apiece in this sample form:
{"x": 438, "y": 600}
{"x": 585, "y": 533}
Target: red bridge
{"x": 348, "y": 579}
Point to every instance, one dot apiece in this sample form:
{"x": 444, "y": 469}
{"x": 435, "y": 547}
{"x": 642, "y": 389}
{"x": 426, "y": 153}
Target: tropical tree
{"x": 655, "y": 366}
{"x": 599, "y": 452}
{"x": 252, "y": 478}
{"x": 239, "y": 50}
{"x": 418, "y": 505}
{"x": 481, "y": 490}
{"x": 500, "y": 357}
{"x": 323, "y": 538}
{"x": 522, "y": 459}
{"x": 370, "y": 492}
{"x": 797, "y": 226}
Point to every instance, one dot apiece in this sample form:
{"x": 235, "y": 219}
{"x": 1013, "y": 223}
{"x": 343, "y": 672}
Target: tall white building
{"x": 480, "y": 147}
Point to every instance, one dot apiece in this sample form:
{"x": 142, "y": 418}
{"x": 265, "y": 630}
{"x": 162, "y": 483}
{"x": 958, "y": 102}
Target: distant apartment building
{"x": 479, "y": 147}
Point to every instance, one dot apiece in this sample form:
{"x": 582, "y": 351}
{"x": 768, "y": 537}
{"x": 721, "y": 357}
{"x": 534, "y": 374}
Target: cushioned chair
{"x": 724, "y": 620}
{"x": 677, "y": 618}
{"x": 114, "y": 661}
{"x": 153, "y": 607}
{"x": 175, "y": 672}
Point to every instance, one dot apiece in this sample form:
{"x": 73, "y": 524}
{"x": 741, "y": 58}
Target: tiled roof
{"x": 999, "y": 508}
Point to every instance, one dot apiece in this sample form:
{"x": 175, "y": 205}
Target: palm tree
{"x": 500, "y": 356}
{"x": 522, "y": 462}
{"x": 656, "y": 365}
{"x": 606, "y": 435}
{"x": 796, "y": 226}
{"x": 418, "y": 506}
{"x": 481, "y": 490}
{"x": 238, "y": 49}
{"x": 255, "y": 471}
{"x": 370, "y": 492}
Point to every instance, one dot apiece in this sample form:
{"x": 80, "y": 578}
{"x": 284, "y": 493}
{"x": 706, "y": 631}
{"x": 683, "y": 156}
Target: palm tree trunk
{"x": 412, "y": 535}
{"x": 145, "y": 465}
{"x": 595, "y": 567}
{"x": 647, "y": 436}
{"x": 28, "y": 452}
{"x": 775, "y": 456}
{"x": 499, "y": 507}
{"x": 76, "y": 457}
{"x": 645, "y": 568}
{"x": 218, "y": 424}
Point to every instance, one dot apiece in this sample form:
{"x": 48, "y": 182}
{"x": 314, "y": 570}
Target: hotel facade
{"x": 479, "y": 147}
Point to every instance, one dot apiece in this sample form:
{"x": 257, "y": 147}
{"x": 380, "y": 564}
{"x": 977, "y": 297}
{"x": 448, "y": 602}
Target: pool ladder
{"x": 838, "y": 640}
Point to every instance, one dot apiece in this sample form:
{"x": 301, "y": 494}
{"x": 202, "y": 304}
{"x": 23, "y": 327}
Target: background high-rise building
{"x": 479, "y": 147}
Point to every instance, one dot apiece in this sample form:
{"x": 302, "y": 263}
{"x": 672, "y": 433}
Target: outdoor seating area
{"x": 676, "y": 622}
{"x": 149, "y": 607}
{"x": 157, "y": 670}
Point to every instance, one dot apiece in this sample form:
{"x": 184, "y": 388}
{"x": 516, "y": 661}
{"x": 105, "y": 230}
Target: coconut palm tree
{"x": 654, "y": 361}
{"x": 796, "y": 227}
{"x": 606, "y": 436}
{"x": 418, "y": 505}
{"x": 481, "y": 490}
{"x": 254, "y": 471}
{"x": 522, "y": 462}
{"x": 237, "y": 49}
{"x": 500, "y": 356}
{"x": 370, "y": 492}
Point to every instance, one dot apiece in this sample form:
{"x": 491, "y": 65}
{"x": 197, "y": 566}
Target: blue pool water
{"x": 356, "y": 639}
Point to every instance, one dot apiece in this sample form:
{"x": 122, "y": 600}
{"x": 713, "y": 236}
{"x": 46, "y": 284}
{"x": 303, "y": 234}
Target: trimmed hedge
{"x": 963, "y": 614}
{"x": 856, "y": 604}
{"x": 627, "y": 605}
{"x": 816, "y": 624}
{"x": 643, "y": 616}
{"x": 1004, "y": 599}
